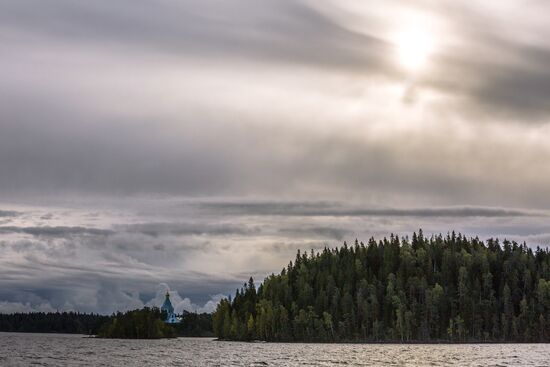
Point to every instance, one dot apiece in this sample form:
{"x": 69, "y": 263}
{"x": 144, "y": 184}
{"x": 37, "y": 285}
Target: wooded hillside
{"x": 443, "y": 288}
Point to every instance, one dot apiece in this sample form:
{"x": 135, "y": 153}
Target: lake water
{"x": 17, "y": 349}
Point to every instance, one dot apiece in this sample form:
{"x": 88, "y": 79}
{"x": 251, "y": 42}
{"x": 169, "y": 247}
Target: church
{"x": 170, "y": 315}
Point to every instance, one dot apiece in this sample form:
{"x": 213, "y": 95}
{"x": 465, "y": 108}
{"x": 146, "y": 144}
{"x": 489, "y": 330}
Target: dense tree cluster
{"x": 58, "y": 322}
{"x": 129, "y": 325}
{"x": 146, "y": 323}
{"x": 443, "y": 288}
{"x": 195, "y": 325}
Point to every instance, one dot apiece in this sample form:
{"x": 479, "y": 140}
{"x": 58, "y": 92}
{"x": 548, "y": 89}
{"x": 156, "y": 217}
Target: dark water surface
{"x": 75, "y": 350}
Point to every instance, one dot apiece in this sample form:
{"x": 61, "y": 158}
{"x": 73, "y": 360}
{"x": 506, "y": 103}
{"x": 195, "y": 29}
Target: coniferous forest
{"x": 443, "y": 288}
{"x": 132, "y": 324}
{"x": 195, "y": 325}
{"x": 53, "y": 322}
{"x": 147, "y": 323}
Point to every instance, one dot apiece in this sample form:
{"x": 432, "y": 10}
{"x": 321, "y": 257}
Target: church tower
{"x": 169, "y": 309}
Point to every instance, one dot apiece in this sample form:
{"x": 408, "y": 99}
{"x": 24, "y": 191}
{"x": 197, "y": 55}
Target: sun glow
{"x": 414, "y": 47}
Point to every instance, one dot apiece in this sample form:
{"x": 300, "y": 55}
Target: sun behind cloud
{"x": 414, "y": 47}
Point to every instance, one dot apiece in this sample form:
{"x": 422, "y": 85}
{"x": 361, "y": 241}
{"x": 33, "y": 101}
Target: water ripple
{"x": 53, "y": 350}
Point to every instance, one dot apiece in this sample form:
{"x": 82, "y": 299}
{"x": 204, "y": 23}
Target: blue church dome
{"x": 167, "y": 305}
{"x": 169, "y": 309}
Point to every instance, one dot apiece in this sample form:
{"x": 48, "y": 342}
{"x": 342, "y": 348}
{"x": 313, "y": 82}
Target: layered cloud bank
{"x": 126, "y": 254}
{"x": 198, "y": 142}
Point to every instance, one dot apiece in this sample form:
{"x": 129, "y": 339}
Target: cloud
{"x": 291, "y": 32}
{"x": 309, "y": 34}
{"x": 179, "y": 229}
{"x": 290, "y": 248}
{"x": 18, "y": 307}
{"x": 534, "y": 240}
{"x": 334, "y": 210}
{"x": 317, "y": 231}
{"x": 199, "y": 142}
{"x": 326, "y": 121}
{"x": 58, "y": 231}
{"x": 518, "y": 93}
{"x": 77, "y": 268}
{"x": 501, "y": 73}
{"x": 183, "y": 304}
{"x": 8, "y": 213}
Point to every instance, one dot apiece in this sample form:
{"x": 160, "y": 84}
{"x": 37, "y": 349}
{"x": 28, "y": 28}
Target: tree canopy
{"x": 129, "y": 325}
{"x": 442, "y": 288}
{"x": 52, "y": 322}
{"x": 147, "y": 323}
{"x": 194, "y": 325}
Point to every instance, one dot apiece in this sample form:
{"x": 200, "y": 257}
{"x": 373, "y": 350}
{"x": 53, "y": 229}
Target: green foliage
{"x": 146, "y": 323}
{"x": 192, "y": 324}
{"x": 58, "y": 322}
{"x": 425, "y": 289}
{"x": 195, "y": 325}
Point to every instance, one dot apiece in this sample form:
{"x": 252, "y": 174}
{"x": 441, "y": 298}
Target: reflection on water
{"x": 75, "y": 350}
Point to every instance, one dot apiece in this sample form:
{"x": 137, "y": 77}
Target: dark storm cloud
{"x": 98, "y": 293}
{"x": 73, "y": 273}
{"x": 332, "y": 210}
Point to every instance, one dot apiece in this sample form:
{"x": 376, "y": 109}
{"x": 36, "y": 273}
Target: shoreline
{"x": 443, "y": 342}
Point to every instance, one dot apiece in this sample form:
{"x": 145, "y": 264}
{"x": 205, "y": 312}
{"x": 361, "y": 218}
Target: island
{"x": 155, "y": 323}
{"x": 441, "y": 289}
{"x": 438, "y": 289}
{"x": 147, "y": 323}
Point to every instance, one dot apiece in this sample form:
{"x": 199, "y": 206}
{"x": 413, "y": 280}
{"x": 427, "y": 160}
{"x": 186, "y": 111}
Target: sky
{"x": 186, "y": 145}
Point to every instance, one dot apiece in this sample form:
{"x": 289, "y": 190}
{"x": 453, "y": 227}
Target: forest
{"x": 192, "y": 325}
{"x": 53, "y": 322}
{"x": 437, "y": 289}
{"x": 146, "y": 323}
{"x": 195, "y": 325}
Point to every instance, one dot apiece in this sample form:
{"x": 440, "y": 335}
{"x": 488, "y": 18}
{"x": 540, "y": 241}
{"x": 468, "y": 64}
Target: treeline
{"x": 133, "y": 324}
{"x": 58, "y": 322}
{"x": 146, "y": 323}
{"x": 442, "y": 288}
{"x": 195, "y": 325}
